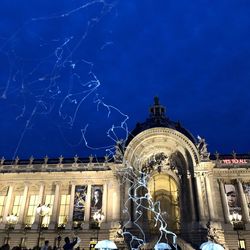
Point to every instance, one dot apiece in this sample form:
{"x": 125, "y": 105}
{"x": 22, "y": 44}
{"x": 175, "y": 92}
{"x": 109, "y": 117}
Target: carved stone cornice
{"x": 230, "y": 171}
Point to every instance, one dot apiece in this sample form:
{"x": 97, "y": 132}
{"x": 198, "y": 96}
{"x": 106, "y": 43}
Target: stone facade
{"x": 192, "y": 186}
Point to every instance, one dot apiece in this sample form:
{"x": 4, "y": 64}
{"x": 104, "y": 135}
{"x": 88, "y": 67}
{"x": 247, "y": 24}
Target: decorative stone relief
{"x": 34, "y": 188}
{"x": 4, "y": 190}
{"x": 119, "y": 151}
{"x": 19, "y": 188}
{"x": 202, "y": 149}
{"x": 143, "y": 141}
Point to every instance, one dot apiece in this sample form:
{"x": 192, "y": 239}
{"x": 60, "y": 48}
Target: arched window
{"x": 164, "y": 189}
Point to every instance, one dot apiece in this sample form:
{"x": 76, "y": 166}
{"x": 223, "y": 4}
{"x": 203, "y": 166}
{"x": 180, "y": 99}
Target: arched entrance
{"x": 168, "y": 159}
{"x": 164, "y": 189}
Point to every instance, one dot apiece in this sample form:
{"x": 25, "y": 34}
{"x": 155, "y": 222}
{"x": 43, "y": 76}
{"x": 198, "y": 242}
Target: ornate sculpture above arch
{"x": 161, "y": 144}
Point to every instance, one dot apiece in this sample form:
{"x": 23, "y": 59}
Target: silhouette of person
{"x": 45, "y": 246}
{"x": 70, "y": 245}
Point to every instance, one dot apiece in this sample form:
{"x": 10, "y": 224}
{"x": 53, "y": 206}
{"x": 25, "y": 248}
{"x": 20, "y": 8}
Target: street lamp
{"x": 11, "y": 221}
{"x": 98, "y": 217}
{"x": 236, "y": 220}
{"x": 42, "y": 211}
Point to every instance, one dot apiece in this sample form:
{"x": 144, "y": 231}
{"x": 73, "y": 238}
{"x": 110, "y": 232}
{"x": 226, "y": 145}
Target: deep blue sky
{"x": 59, "y": 57}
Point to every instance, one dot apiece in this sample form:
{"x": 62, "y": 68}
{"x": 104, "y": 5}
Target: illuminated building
{"x": 193, "y": 188}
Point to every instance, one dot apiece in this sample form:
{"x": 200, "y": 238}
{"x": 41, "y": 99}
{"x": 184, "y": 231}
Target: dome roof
{"x": 158, "y": 118}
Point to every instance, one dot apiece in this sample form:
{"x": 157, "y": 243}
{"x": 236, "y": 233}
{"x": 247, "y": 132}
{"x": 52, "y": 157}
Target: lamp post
{"x": 236, "y": 220}
{"x": 98, "y": 217}
{"x": 42, "y": 211}
{"x": 11, "y": 221}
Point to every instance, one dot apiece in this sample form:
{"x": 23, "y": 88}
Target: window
{"x": 33, "y": 203}
{"x": 49, "y": 200}
{"x": 64, "y": 210}
{"x": 17, "y": 204}
{"x": 164, "y": 190}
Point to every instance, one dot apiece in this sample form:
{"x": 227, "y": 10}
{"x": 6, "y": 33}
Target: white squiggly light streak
{"x": 47, "y": 83}
{"x": 143, "y": 204}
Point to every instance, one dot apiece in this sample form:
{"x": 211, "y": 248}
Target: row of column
{"x": 206, "y": 210}
{"x": 200, "y": 202}
{"x": 206, "y": 201}
{"x": 110, "y": 209}
{"x": 202, "y": 191}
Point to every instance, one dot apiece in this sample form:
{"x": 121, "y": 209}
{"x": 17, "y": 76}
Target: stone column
{"x": 40, "y": 201}
{"x": 127, "y": 202}
{"x": 243, "y": 201}
{"x": 88, "y": 202}
{"x": 111, "y": 203}
{"x": 7, "y": 204}
{"x": 224, "y": 201}
{"x": 56, "y": 203}
{"x": 105, "y": 202}
{"x": 209, "y": 198}
{"x": 191, "y": 195}
{"x": 200, "y": 199}
{"x": 71, "y": 207}
{"x": 23, "y": 206}
{"x": 116, "y": 202}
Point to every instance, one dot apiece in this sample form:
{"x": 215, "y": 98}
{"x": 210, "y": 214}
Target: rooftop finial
{"x": 157, "y": 110}
{"x": 156, "y": 99}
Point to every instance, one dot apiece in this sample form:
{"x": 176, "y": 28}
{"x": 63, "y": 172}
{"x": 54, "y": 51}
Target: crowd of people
{"x": 68, "y": 245}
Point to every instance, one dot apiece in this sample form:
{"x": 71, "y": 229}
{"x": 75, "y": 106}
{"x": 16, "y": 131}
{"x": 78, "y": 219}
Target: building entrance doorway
{"x": 164, "y": 191}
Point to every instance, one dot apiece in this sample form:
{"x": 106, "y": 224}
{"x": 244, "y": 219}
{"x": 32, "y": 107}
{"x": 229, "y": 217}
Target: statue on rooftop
{"x": 119, "y": 151}
{"x": 202, "y": 148}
